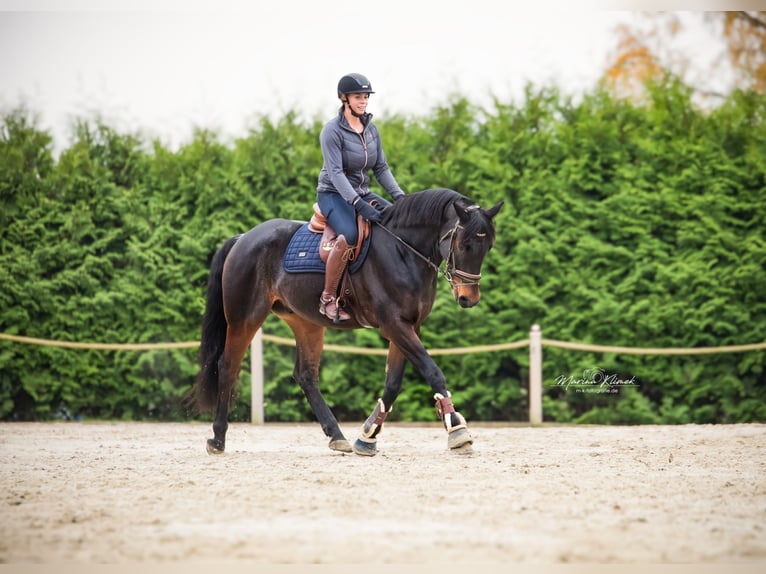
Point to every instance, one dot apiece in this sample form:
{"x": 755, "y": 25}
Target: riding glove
{"x": 366, "y": 210}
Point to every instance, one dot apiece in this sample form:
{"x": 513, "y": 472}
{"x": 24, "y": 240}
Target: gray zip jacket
{"x": 348, "y": 157}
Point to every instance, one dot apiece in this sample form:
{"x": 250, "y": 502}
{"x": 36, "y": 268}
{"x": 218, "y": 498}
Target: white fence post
{"x": 256, "y": 378}
{"x": 535, "y": 375}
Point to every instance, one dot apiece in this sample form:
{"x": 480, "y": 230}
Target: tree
{"x": 650, "y": 47}
{"x": 746, "y": 42}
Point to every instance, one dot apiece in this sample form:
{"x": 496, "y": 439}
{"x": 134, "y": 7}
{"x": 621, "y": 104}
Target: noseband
{"x": 451, "y": 270}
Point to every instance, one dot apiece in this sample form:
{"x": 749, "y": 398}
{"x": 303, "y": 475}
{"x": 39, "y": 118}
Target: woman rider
{"x": 351, "y": 147}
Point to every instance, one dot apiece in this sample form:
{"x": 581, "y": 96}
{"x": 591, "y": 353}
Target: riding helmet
{"x": 354, "y": 84}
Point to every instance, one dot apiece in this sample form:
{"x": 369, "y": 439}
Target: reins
{"x": 472, "y": 279}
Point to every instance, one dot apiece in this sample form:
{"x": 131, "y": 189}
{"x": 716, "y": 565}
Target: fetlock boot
{"x": 337, "y": 261}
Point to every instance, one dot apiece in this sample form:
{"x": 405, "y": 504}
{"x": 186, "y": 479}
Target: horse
{"x": 392, "y": 291}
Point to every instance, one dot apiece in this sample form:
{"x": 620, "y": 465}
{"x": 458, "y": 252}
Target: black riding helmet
{"x": 354, "y": 84}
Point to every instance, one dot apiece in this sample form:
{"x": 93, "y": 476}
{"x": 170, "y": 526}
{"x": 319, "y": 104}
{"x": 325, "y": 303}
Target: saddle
{"x": 318, "y": 224}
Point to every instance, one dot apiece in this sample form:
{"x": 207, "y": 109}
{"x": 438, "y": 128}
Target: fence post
{"x": 256, "y": 378}
{"x": 535, "y": 375}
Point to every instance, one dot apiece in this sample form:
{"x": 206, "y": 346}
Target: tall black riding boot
{"x": 337, "y": 261}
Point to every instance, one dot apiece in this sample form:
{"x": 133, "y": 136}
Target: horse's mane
{"x": 425, "y": 208}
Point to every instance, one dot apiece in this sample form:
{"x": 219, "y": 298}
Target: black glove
{"x": 381, "y": 204}
{"x": 367, "y": 211}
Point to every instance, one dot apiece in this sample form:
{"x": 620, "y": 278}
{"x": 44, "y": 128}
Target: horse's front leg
{"x": 366, "y": 444}
{"x": 458, "y": 436}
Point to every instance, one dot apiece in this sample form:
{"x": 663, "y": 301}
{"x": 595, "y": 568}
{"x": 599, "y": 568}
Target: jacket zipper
{"x": 366, "y": 157}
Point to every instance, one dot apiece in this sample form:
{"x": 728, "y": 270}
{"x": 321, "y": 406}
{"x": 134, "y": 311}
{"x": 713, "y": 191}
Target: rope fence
{"x": 587, "y": 347}
{"x": 266, "y": 337}
{"x": 654, "y": 351}
{"x": 535, "y": 342}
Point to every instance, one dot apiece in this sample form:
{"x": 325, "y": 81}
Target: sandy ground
{"x": 145, "y": 492}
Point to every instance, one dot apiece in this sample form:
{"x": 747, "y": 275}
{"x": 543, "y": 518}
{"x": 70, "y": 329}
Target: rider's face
{"x": 358, "y": 102}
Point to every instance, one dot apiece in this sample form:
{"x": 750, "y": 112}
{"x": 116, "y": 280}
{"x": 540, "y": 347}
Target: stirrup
{"x": 337, "y": 315}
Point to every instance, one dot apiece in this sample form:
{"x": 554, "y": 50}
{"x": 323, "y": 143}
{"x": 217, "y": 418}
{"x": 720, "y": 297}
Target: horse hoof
{"x": 214, "y": 446}
{"x": 459, "y": 439}
{"x": 466, "y": 450}
{"x": 341, "y": 445}
{"x": 364, "y": 448}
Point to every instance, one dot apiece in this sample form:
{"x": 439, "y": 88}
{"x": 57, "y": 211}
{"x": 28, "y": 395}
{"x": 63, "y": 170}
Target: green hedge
{"x": 625, "y": 224}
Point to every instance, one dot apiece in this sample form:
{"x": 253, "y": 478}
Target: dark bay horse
{"x": 393, "y": 291}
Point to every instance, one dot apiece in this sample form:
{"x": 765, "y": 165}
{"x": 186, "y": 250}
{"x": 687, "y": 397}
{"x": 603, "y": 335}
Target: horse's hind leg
{"x": 237, "y": 342}
{"x": 309, "y": 342}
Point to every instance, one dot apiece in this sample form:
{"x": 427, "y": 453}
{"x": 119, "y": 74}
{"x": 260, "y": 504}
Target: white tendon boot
{"x": 458, "y": 436}
{"x": 366, "y": 444}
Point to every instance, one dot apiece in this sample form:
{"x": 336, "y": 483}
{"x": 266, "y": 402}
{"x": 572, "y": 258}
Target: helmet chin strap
{"x": 350, "y": 109}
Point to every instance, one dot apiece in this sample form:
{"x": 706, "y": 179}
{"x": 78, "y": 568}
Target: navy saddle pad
{"x": 302, "y": 253}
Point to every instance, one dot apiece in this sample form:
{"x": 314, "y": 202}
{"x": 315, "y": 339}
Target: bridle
{"x": 450, "y": 271}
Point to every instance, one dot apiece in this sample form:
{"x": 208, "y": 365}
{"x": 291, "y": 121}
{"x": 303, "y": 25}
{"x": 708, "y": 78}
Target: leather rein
{"x": 451, "y": 270}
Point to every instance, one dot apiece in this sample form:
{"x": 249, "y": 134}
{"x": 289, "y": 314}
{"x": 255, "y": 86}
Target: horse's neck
{"x": 424, "y": 240}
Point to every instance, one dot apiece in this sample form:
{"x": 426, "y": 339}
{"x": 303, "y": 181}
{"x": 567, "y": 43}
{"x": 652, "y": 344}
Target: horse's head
{"x": 463, "y": 245}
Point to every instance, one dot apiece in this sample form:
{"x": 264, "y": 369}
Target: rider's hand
{"x": 380, "y": 207}
{"x": 367, "y": 211}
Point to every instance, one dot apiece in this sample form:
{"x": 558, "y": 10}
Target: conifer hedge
{"x": 625, "y": 224}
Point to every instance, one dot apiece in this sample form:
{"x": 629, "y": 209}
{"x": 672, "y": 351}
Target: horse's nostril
{"x": 464, "y": 301}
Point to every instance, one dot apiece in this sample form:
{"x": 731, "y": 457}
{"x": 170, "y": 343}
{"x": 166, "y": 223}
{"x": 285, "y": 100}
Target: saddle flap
{"x": 303, "y": 253}
{"x": 318, "y": 224}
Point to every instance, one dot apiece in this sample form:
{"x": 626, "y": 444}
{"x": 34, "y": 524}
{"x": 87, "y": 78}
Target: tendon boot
{"x": 337, "y": 261}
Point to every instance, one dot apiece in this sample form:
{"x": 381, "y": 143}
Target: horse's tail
{"x": 205, "y": 390}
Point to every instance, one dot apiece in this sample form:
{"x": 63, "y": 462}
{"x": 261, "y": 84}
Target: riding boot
{"x": 337, "y": 261}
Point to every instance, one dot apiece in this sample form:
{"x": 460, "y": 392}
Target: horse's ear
{"x": 492, "y": 212}
{"x": 462, "y": 211}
